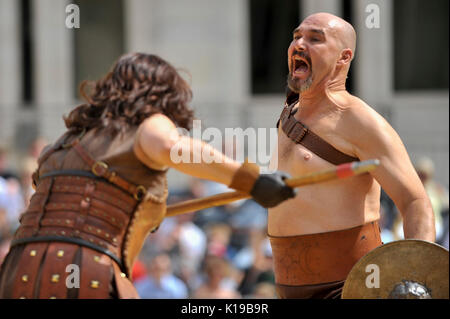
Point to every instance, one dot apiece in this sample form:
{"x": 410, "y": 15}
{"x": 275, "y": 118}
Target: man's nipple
{"x": 307, "y": 156}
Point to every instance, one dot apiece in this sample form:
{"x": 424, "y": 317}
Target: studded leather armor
{"x": 94, "y": 204}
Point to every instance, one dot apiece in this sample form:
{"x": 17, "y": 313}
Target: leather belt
{"x": 321, "y": 258}
{"x": 71, "y": 240}
{"x": 72, "y": 172}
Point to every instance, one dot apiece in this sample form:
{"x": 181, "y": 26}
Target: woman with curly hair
{"x": 101, "y": 187}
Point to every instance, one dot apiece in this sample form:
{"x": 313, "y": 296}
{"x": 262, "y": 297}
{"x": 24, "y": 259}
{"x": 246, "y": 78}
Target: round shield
{"x": 404, "y": 269}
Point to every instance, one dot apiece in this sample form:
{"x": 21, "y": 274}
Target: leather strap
{"x": 71, "y": 240}
{"x": 98, "y": 168}
{"x": 331, "y": 290}
{"x": 101, "y": 169}
{"x": 52, "y": 283}
{"x": 96, "y": 277}
{"x": 28, "y": 271}
{"x": 300, "y": 134}
{"x": 70, "y": 172}
{"x": 43, "y": 202}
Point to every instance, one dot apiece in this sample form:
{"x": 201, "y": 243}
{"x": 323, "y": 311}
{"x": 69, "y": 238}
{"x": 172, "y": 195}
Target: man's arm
{"x": 396, "y": 174}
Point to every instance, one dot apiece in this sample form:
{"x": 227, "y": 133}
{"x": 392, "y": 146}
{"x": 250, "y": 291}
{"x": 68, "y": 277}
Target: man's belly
{"x": 323, "y": 207}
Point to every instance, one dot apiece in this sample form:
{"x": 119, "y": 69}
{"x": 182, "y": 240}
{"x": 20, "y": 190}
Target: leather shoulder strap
{"x": 98, "y": 168}
{"x": 101, "y": 169}
{"x": 300, "y": 134}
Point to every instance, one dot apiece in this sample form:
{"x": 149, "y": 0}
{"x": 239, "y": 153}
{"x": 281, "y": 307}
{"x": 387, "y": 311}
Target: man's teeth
{"x": 300, "y": 65}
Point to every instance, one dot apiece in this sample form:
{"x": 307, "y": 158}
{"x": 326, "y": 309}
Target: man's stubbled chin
{"x": 298, "y": 85}
{"x": 300, "y": 75}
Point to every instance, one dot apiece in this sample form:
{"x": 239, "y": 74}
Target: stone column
{"x": 138, "y": 25}
{"x": 313, "y": 6}
{"x": 10, "y": 70}
{"x": 373, "y": 59}
{"x": 207, "y": 39}
{"x": 53, "y": 61}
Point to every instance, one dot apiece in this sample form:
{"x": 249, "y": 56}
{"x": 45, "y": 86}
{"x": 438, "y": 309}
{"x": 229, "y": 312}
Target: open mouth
{"x": 301, "y": 66}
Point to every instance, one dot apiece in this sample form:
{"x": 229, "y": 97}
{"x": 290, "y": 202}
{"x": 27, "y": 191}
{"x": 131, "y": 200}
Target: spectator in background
{"x": 217, "y": 284}
{"x": 198, "y": 188}
{"x": 212, "y": 215}
{"x": 437, "y": 193}
{"x": 387, "y": 234}
{"x": 389, "y": 217}
{"x": 191, "y": 245}
{"x": 6, "y": 228}
{"x": 4, "y": 225}
{"x": 245, "y": 219}
{"x": 256, "y": 263}
{"x": 243, "y": 216}
{"x": 139, "y": 271}
{"x": 160, "y": 282}
{"x": 11, "y": 202}
{"x": 5, "y": 170}
{"x": 219, "y": 236}
{"x": 248, "y": 215}
{"x": 17, "y": 187}
{"x": 183, "y": 241}
{"x": 388, "y": 209}
{"x": 217, "y": 245}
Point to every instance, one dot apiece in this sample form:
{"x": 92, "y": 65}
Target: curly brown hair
{"x": 138, "y": 86}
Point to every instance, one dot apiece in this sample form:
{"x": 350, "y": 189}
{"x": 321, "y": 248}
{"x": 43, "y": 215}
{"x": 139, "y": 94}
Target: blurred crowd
{"x": 15, "y": 189}
{"x": 221, "y": 252}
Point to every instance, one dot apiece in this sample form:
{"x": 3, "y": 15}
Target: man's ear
{"x": 346, "y": 57}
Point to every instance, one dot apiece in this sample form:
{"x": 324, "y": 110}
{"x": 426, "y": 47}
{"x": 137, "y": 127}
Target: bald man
{"x": 318, "y": 236}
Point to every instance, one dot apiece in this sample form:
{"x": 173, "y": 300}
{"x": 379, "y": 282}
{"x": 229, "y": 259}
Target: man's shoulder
{"x": 364, "y": 126}
{"x": 353, "y": 105}
{"x": 358, "y": 116}
{"x": 360, "y": 113}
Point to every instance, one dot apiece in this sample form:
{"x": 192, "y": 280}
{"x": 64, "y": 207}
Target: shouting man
{"x": 317, "y": 237}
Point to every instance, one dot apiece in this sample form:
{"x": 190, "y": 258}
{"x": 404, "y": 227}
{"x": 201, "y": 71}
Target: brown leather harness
{"x": 300, "y": 134}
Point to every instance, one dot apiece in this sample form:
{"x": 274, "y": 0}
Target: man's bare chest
{"x": 297, "y": 159}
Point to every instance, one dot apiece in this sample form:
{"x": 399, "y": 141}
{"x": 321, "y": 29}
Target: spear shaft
{"x": 339, "y": 172}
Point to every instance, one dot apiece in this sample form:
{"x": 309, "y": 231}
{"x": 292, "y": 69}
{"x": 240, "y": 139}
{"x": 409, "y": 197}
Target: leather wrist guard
{"x": 245, "y": 177}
